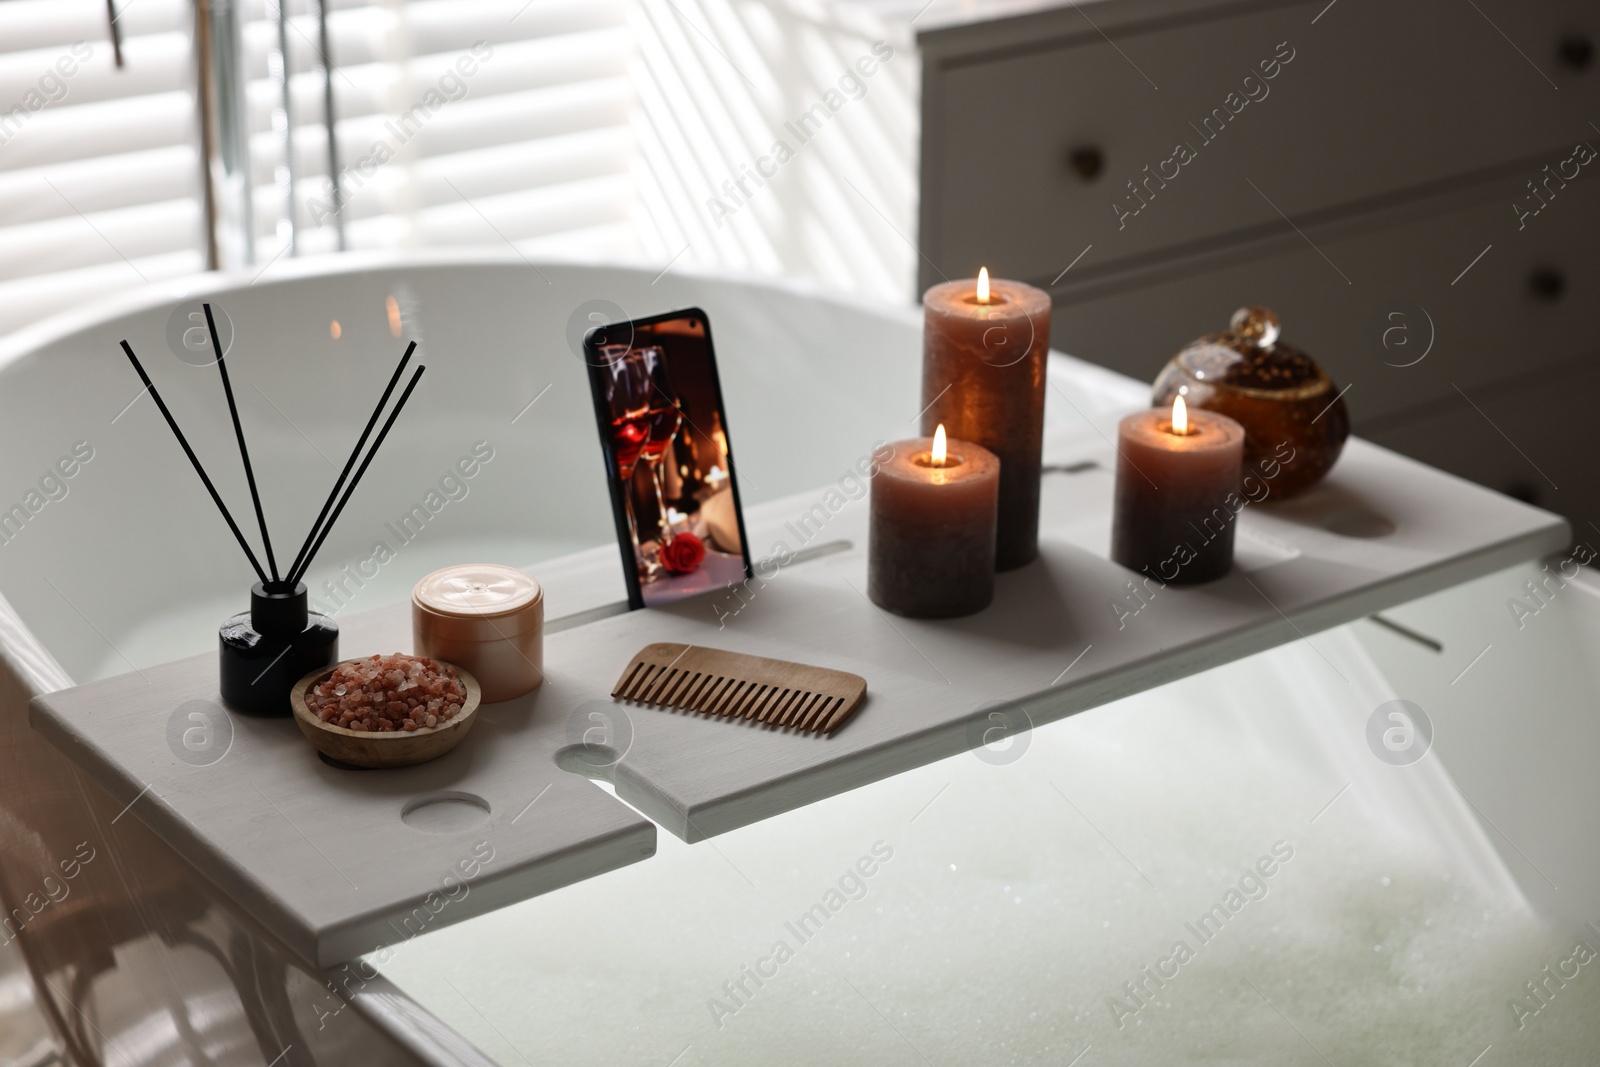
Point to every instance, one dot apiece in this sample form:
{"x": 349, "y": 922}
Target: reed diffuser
{"x": 265, "y": 650}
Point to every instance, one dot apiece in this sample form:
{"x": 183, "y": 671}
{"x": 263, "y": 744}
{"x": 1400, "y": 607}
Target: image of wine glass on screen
{"x": 628, "y": 392}
{"x": 668, "y": 443}
{"x": 666, "y": 419}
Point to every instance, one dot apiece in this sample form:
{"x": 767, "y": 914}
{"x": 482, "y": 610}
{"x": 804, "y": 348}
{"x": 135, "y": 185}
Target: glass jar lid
{"x": 1249, "y": 359}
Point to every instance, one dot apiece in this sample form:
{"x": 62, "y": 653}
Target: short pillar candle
{"x": 984, "y": 348}
{"x": 930, "y": 548}
{"x": 1176, "y": 507}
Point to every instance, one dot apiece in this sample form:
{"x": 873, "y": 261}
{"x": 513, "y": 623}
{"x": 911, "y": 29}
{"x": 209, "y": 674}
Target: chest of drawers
{"x": 1430, "y": 164}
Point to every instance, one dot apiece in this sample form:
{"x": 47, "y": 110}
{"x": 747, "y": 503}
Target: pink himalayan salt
{"x": 388, "y": 693}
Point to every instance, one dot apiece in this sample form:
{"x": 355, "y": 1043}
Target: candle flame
{"x": 939, "y": 446}
{"x": 1180, "y": 416}
{"x": 983, "y": 285}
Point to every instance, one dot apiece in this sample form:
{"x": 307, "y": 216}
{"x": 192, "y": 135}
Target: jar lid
{"x": 479, "y": 601}
{"x": 1248, "y": 358}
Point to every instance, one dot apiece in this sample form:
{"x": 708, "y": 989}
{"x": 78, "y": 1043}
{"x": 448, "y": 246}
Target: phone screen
{"x": 669, "y": 463}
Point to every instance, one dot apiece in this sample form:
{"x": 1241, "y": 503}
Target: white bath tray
{"x": 328, "y": 859}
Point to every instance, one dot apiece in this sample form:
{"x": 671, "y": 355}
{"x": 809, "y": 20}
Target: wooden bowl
{"x": 402, "y": 748}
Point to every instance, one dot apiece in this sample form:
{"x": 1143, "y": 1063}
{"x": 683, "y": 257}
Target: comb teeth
{"x": 736, "y": 686}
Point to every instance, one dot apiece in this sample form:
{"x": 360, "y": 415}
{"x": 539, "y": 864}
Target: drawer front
{"x": 1032, "y": 153}
{"x": 1530, "y": 442}
{"x": 1420, "y": 314}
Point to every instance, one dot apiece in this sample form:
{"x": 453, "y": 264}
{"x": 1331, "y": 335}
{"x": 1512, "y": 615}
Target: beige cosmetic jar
{"x": 487, "y": 619}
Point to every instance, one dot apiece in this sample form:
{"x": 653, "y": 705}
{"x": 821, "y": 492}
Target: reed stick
{"x": 351, "y": 462}
{"x": 238, "y": 432}
{"x": 294, "y": 578}
{"x": 195, "y": 460}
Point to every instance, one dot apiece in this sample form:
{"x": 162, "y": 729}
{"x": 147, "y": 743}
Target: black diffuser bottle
{"x": 265, "y": 650}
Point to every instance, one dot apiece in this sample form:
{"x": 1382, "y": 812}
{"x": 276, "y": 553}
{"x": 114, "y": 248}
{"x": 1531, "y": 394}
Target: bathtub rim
{"x": 62, "y": 325}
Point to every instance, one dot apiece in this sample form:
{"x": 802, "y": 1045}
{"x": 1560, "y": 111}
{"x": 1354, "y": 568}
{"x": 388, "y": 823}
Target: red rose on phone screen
{"x": 683, "y": 553}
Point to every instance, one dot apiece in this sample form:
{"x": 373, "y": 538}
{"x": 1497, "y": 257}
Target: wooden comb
{"x": 709, "y": 680}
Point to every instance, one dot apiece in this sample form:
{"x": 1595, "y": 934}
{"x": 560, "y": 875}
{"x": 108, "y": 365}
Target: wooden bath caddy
{"x": 1068, "y": 632}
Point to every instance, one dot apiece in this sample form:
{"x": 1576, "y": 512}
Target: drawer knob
{"x": 1087, "y": 162}
{"x": 1576, "y": 51}
{"x": 1547, "y": 284}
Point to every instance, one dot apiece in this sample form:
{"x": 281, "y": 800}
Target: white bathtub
{"x": 140, "y": 553}
{"x": 1023, "y": 890}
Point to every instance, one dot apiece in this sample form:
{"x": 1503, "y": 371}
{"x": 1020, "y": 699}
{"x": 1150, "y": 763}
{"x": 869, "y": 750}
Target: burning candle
{"x": 930, "y": 550}
{"x": 1177, "y": 495}
{"x": 983, "y": 363}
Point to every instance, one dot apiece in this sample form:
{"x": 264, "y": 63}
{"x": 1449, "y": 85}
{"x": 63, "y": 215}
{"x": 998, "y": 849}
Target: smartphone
{"x": 668, "y": 458}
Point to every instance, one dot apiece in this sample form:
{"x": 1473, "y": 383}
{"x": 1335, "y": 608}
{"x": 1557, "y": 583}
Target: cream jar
{"x": 487, "y": 619}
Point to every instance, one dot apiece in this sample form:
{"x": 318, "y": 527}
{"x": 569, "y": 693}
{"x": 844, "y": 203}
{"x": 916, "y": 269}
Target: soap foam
{"x": 1021, "y": 897}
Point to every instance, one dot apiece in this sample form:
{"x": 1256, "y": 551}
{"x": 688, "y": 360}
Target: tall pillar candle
{"x": 984, "y": 348}
{"x": 930, "y": 548}
{"x": 1177, "y": 493}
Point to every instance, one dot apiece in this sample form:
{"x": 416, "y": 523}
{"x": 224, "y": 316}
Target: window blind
{"x": 598, "y": 129}
{"x": 98, "y": 171}
{"x": 458, "y": 122}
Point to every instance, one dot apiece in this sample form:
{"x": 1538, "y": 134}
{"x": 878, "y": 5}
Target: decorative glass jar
{"x": 1294, "y": 418}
